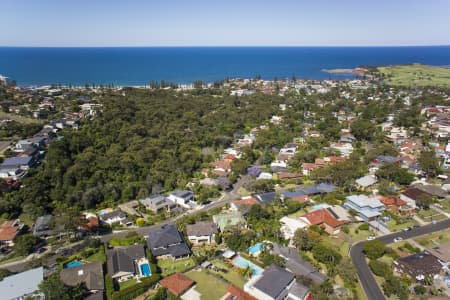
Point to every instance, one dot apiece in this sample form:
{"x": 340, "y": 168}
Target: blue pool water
{"x": 74, "y": 263}
{"x": 319, "y": 206}
{"x": 255, "y": 248}
{"x": 145, "y": 270}
{"x": 241, "y": 262}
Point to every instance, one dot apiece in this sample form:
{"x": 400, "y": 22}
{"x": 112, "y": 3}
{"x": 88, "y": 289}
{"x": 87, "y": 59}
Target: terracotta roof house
{"x": 8, "y": 231}
{"x": 323, "y": 217}
{"x": 235, "y": 293}
{"x": 167, "y": 241}
{"x": 307, "y": 168}
{"x": 297, "y": 196}
{"x": 90, "y": 275}
{"x": 244, "y": 202}
{"x": 202, "y": 232}
{"x": 177, "y": 284}
{"x": 418, "y": 265}
{"x": 396, "y": 205}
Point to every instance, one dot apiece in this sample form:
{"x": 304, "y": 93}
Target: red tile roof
{"x": 309, "y": 166}
{"x": 392, "y": 200}
{"x": 235, "y": 293}
{"x": 7, "y": 231}
{"x": 177, "y": 283}
{"x": 322, "y": 216}
{"x": 246, "y": 201}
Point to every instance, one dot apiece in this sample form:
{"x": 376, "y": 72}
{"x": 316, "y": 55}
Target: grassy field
{"x": 99, "y": 256}
{"x": 434, "y": 239}
{"x": 18, "y": 118}
{"x": 430, "y": 214}
{"x": 416, "y": 75}
{"x": 358, "y": 235}
{"x": 393, "y": 226}
{"x": 169, "y": 266}
{"x": 208, "y": 285}
{"x": 231, "y": 276}
{"x": 128, "y": 283}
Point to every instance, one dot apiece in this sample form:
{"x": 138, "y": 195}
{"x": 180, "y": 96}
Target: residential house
{"x": 266, "y": 198}
{"x": 167, "y": 241}
{"x": 42, "y": 226}
{"x": 297, "y": 265}
{"x": 182, "y": 197}
{"x": 201, "y": 232}
{"x": 396, "y": 205}
{"x": 324, "y": 218}
{"x": 8, "y": 232}
{"x": 433, "y": 190}
{"x": 22, "y": 285}
{"x": 276, "y": 283}
{"x": 366, "y": 181}
{"x": 116, "y": 216}
{"x": 235, "y": 293}
{"x": 157, "y": 203}
{"x": 15, "y": 167}
{"x": 89, "y": 275}
{"x": 297, "y": 196}
{"x": 368, "y": 209}
{"x": 177, "y": 284}
{"x": 130, "y": 208}
{"x": 124, "y": 263}
{"x": 222, "y": 167}
{"x": 285, "y": 176}
{"x": 224, "y": 220}
{"x": 307, "y": 168}
{"x": 414, "y": 196}
{"x": 244, "y": 203}
{"x": 442, "y": 253}
{"x": 290, "y": 225}
{"x": 418, "y": 265}
{"x": 344, "y": 148}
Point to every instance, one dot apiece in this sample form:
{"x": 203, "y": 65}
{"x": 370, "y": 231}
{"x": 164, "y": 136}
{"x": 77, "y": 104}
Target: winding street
{"x": 370, "y": 286}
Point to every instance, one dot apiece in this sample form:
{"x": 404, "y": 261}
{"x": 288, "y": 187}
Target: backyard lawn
{"x": 208, "y": 285}
{"x": 128, "y": 283}
{"x": 231, "y": 275}
{"x": 169, "y": 266}
{"x": 98, "y": 256}
{"x": 358, "y": 235}
{"x": 298, "y": 213}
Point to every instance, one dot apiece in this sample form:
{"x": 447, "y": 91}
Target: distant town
{"x": 236, "y": 189}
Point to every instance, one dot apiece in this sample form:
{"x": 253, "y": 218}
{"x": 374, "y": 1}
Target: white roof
{"x": 21, "y": 284}
{"x": 367, "y": 180}
{"x": 364, "y": 201}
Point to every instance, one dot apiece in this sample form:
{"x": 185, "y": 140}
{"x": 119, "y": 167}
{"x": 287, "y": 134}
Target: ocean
{"x": 138, "y": 65}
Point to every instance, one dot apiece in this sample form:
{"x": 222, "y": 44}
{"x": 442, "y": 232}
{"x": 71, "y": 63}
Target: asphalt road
{"x": 370, "y": 286}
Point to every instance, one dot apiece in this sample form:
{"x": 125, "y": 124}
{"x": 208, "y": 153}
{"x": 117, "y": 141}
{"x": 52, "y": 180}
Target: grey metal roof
{"x": 121, "y": 259}
{"x": 167, "y": 240}
{"x": 90, "y": 274}
{"x": 201, "y": 228}
{"x": 21, "y": 284}
{"x": 17, "y": 161}
{"x": 274, "y": 280}
{"x": 266, "y": 198}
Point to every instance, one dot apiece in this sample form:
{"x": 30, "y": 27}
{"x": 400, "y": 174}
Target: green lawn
{"x": 445, "y": 205}
{"x": 339, "y": 244}
{"x": 128, "y": 283}
{"x": 358, "y": 235}
{"x": 99, "y": 256}
{"x": 208, "y": 285}
{"x": 298, "y": 213}
{"x": 243, "y": 192}
{"x": 434, "y": 239}
{"x": 417, "y": 75}
{"x": 393, "y": 226}
{"x": 169, "y": 266}
{"x": 430, "y": 214}
{"x": 231, "y": 276}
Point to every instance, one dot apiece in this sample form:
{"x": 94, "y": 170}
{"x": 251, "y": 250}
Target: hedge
{"x": 132, "y": 292}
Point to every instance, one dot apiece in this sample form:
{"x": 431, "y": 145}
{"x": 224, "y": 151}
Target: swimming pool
{"x": 145, "y": 270}
{"x": 73, "y": 264}
{"x": 241, "y": 262}
{"x": 319, "y": 206}
{"x": 255, "y": 248}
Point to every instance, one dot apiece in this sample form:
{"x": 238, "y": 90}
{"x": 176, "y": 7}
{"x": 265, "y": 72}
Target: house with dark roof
{"x": 414, "y": 197}
{"x": 177, "y": 284}
{"x": 442, "y": 253}
{"x": 266, "y": 198}
{"x": 157, "y": 203}
{"x": 42, "y": 226}
{"x": 124, "y": 263}
{"x": 167, "y": 241}
{"x": 296, "y": 265}
{"x": 433, "y": 190}
{"x": 418, "y": 265}
{"x": 201, "y": 232}
{"x": 275, "y": 283}
{"x": 89, "y": 275}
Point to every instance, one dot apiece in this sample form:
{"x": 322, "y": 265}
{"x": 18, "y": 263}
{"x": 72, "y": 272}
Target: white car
{"x": 370, "y": 238}
{"x": 398, "y": 239}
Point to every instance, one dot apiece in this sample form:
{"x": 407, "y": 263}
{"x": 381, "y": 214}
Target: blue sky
{"x": 224, "y": 22}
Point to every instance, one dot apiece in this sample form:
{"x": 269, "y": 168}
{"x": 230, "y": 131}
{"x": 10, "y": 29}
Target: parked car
{"x": 398, "y": 239}
{"x": 407, "y": 229}
{"x": 370, "y": 238}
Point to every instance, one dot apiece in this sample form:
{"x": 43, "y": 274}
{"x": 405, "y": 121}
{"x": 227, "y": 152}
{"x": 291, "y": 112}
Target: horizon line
{"x": 229, "y": 46}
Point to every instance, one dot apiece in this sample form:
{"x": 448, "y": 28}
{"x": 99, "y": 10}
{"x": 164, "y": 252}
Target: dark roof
{"x": 90, "y": 274}
{"x": 296, "y": 264}
{"x": 421, "y": 263}
{"x": 42, "y": 224}
{"x": 432, "y": 190}
{"x": 415, "y": 193}
{"x": 182, "y": 194}
{"x": 167, "y": 240}
{"x": 325, "y": 187}
{"x": 274, "y": 280}
{"x": 266, "y": 198}
{"x": 201, "y": 229}
{"x": 309, "y": 190}
{"x": 17, "y": 161}
{"x": 121, "y": 259}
